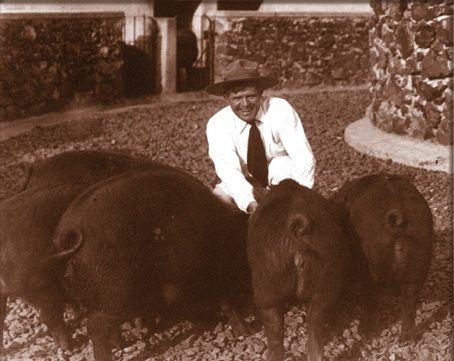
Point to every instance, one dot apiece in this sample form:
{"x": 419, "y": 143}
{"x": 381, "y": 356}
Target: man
{"x": 256, "y": 141}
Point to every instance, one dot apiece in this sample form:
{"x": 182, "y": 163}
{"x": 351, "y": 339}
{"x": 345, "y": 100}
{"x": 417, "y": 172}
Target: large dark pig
{"x": 393, "y": 228}
{"x": 296, "y": 250}
{"x": 150, "y": 242}
{"x": 27, "y": 224}
{"x": 85, "y": 167}
{"x": 28, "y": 220}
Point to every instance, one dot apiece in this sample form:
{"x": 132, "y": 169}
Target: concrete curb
{"x": 365, "y": 138}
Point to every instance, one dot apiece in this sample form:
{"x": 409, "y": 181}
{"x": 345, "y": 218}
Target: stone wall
{"x": 411, "y": 57}
{"x": 50, "y": 61}
{"x": 299, "y": 49}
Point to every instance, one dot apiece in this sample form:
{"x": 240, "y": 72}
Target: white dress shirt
{"x": 287, "y": 150}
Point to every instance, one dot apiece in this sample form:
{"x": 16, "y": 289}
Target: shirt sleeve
{"x": 222, "y": 151}
{"x": 295, "y": 143}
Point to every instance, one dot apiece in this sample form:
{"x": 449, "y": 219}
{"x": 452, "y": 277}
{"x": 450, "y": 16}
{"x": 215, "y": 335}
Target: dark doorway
{"x": 182, "y": 9}
{"x": 239, "y": 5}
{"x": 193, "y": 54}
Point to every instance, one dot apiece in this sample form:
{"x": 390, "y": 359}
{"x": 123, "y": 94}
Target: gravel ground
{"x": 175, "y": 135}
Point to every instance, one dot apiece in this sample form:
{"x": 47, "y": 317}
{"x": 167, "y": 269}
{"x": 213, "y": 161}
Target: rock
{"x": 428, "y": 92}
{"x": 395, "y": 94}
{"x": 432, "y": 115}
{"x": 219, "y": 328}
{"x": 383, "y": 59}
{"x": 404, "y": 40}
{"x": 376, "y": 5}
{"x": 444, "y": 133}
{"x": 418, "y": 127}
{"x": 444, "y": 29}
{"x": 425, "y": 34}
{"x": 28, "y": 33}
{"x": 421, "y": 11}
{"x": 312, "y": 78}
{"x": 396, "y": 9}
{"x": 435, "y": 66}
{"x": 327, "y": 40}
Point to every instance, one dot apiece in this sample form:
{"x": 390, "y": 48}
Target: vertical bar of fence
{"x": 210, "y": 50}
{"x": 134, "y": 30}
{"x": 123, "y": 25}
{"x": 143, "y": 33}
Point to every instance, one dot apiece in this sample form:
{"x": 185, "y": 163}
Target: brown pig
{"x": 392, "y": 229}
{"x": 28, "y": 220}
{"x": 85, "y": 167}
{"x": 297, "y": 250}
{"x": 27, "y": 224}
{"x": 154, "y": 242}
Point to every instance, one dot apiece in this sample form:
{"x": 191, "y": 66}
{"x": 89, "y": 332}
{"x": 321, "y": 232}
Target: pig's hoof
{"x": 116, "y": 340}
{"x": 239, "y": 326}
{"x": 365, "y": 329}
{"x": 367, "y": 326}
{"x": 407, "y": 336}
{"x": 65, "y": 342}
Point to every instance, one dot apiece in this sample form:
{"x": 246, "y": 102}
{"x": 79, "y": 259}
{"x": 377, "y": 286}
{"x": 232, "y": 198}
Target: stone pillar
{"x": 411, "y": 58}
{"x": 167, "y": 50}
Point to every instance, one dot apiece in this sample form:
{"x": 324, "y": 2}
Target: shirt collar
{"x": 240, "y": 125}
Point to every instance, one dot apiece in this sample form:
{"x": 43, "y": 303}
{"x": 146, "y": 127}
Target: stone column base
{"x": 365, "y": 138}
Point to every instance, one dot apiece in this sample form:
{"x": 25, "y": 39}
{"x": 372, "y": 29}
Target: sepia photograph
{"x": 226, "y": 180}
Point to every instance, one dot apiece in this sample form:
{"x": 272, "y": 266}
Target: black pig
{"x": 85, "y": 167}
{"x": 27, "y": 224}
{"x": 296, "y": 250}
{"x": 150, "y": 242}
{"x": 393, "y": 228}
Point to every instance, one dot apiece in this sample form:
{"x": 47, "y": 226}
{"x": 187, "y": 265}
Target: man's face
{"x": 245, "y": 101}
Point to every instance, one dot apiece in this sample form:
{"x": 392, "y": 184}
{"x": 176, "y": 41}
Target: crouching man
{"x": 255, "y": 141}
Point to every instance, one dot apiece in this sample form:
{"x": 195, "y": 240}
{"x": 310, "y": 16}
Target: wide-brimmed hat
{"x": 240, "y": 70}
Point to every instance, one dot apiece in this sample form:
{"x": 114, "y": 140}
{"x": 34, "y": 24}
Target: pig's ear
{"x": 71, "y": 240}
{"x": 395, "y": 218}
{"x": 299, "y": 225}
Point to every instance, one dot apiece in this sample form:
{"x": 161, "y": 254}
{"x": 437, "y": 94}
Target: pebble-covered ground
{"x": 174, "y": 134}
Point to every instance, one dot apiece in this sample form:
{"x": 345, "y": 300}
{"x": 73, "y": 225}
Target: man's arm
{"x": 222, "y": 152}
{"x": 293, "y": 138}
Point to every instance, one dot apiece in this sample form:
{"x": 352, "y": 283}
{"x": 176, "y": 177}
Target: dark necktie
{"x": 256, "y": 159}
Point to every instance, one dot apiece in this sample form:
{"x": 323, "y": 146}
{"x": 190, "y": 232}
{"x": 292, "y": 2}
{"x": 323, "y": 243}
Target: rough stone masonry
{"x": 411, "y": 58}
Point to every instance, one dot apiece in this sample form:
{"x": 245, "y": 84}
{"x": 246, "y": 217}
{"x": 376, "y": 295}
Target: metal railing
{"x": 140, "y": 31}
{"x": 203, "y": 67}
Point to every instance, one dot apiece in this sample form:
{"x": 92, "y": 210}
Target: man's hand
{"x": 251, "y": 207}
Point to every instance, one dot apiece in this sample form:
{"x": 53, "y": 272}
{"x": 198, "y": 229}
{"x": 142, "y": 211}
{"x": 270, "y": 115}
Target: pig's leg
{"x": 236, "y": 321}
{"x": 368, "y": 299}
{"x": 52, "y": 305}
{"x": 369, "y": 319}
{"x": 318, "y": 316}
{"x": 273, "y": 321}
{"x": 99, "y": 328}
{"x": 3, "y": 310}
{"x": 409, "y": 300}
{"x": 52, "y": 316}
